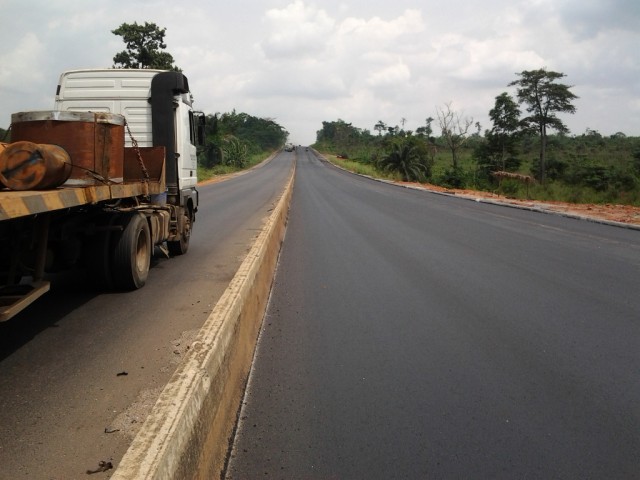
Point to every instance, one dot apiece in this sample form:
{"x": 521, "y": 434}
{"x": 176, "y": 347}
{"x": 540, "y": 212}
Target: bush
{"x": 509, "y": 188}
{"x": 600, "y": 177}
{"x": 554, "y": 168}
{"x": 453, "y": 178}
{"x": 591, "y": 175}
{"x": 636, "y": 162}
{"x": 234, "y": 153}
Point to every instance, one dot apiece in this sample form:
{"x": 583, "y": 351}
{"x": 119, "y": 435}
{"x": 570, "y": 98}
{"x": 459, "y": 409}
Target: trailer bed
{"x": 15, "y": 204}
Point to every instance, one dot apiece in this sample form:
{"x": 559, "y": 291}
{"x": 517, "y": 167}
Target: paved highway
{"x": 63, "y": 406}
{"x": 413, "y": 335}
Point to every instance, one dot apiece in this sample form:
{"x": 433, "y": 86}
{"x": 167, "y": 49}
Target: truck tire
{"x": 180, "y": 247}
{"x": 131, "y": 254}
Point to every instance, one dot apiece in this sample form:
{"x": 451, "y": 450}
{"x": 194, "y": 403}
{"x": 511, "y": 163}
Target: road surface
{"x": 413, "y": 335}
{"x": 79, "y": 370}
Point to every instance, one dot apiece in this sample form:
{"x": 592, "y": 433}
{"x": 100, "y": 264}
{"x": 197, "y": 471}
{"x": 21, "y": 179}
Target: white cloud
{"x": 25, "y": 55}
{"x": 297, "y": 30}
{"x": 390, "y": 76}
{"x": 378, "y": 30}
{"x": 22, "y": 82}
{"x": 305, "y": 61}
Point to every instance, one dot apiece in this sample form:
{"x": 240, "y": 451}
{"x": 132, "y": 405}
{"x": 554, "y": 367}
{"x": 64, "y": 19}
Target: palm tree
{"x": 404, "y": 157}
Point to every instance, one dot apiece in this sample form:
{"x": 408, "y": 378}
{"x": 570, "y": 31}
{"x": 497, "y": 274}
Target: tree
{"x": 502, "y": 138}
{"x": 499, "y": 150}
{"x": 427, "y": 130}
{"x": 454, "y": 130}
{"x": 339, "y": 134}
{"x": 406, "y": 156}
{"x": 228, "y": 134}
{"x": 144, "y": 47}
{"x": 380, "y": 127}
{"x": 544, "y": 97}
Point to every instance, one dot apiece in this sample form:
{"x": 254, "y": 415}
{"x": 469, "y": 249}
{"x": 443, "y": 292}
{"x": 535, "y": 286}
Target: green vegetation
{"x": 543, "y": 96}
{"x": 205, "y": 173}
{"x": 144, "y": 47}
{"x": 406, "y": 156}
{"x": 586, "y": 168}
{"x": 235, "y": 141}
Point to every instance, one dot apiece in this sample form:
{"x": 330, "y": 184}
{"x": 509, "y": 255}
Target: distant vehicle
{"x": 288, "y": 147}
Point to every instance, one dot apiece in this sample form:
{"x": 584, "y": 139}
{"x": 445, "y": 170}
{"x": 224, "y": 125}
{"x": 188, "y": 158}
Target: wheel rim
{"x": 142, "y": 252}
{"x": 187, "y": 227}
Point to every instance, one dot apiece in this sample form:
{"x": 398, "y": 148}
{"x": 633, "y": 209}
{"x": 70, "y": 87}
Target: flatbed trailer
{"x": 21, "y": 204}
{"x": 117, "y": 203}
{"x": 34, "y": 212}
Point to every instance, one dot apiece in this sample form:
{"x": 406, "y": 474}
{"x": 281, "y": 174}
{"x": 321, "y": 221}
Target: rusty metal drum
{"x": 3, "y": 145}
{"x": 31, "y": 166}
{"x": 93, "y": 140}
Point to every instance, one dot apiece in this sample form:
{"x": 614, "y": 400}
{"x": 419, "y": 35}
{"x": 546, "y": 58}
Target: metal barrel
{"x": 94, "y": 140}
{"x": 3, "y": 145}
{"x": 30, "y": 166}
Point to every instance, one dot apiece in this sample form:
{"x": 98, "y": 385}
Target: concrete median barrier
{"x": 187, "y": 433}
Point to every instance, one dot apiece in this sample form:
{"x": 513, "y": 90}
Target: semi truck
{"x": 98, "y": 184}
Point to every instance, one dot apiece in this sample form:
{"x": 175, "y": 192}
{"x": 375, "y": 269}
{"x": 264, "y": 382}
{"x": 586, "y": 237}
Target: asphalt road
{"x": 413, "y": 335}
{"x": 60, "y": 392}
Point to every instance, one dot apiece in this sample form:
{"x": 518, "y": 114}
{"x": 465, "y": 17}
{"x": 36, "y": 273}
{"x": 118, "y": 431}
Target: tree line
{"x": 526, "y": 137}
{"x": 231, "y": 138}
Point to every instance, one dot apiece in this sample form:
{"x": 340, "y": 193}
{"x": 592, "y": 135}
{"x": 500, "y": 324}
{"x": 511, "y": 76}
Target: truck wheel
{"x": 131, "y": 253}
{"x": 180, "y": 247}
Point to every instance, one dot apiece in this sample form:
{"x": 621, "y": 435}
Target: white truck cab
{"x": 157, "y": 106}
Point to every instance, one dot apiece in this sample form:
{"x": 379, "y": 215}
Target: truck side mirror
{"x": 200, "y": 128}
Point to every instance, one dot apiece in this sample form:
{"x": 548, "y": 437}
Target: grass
{"x": 219, "y": 170}
{"x": 361, "y": 168}
{"x": 551, "y": 191}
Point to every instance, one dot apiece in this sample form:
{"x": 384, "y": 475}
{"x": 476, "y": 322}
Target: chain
{"x": 134, "y": 142}
{"x": 6, "y": 133}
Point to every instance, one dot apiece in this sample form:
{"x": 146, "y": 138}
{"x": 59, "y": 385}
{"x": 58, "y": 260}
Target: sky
{"x": 302, "y": 62}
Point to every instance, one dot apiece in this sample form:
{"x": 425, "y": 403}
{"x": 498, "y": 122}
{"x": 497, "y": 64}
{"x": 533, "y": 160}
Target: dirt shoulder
{"x": 623, "y": 214}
